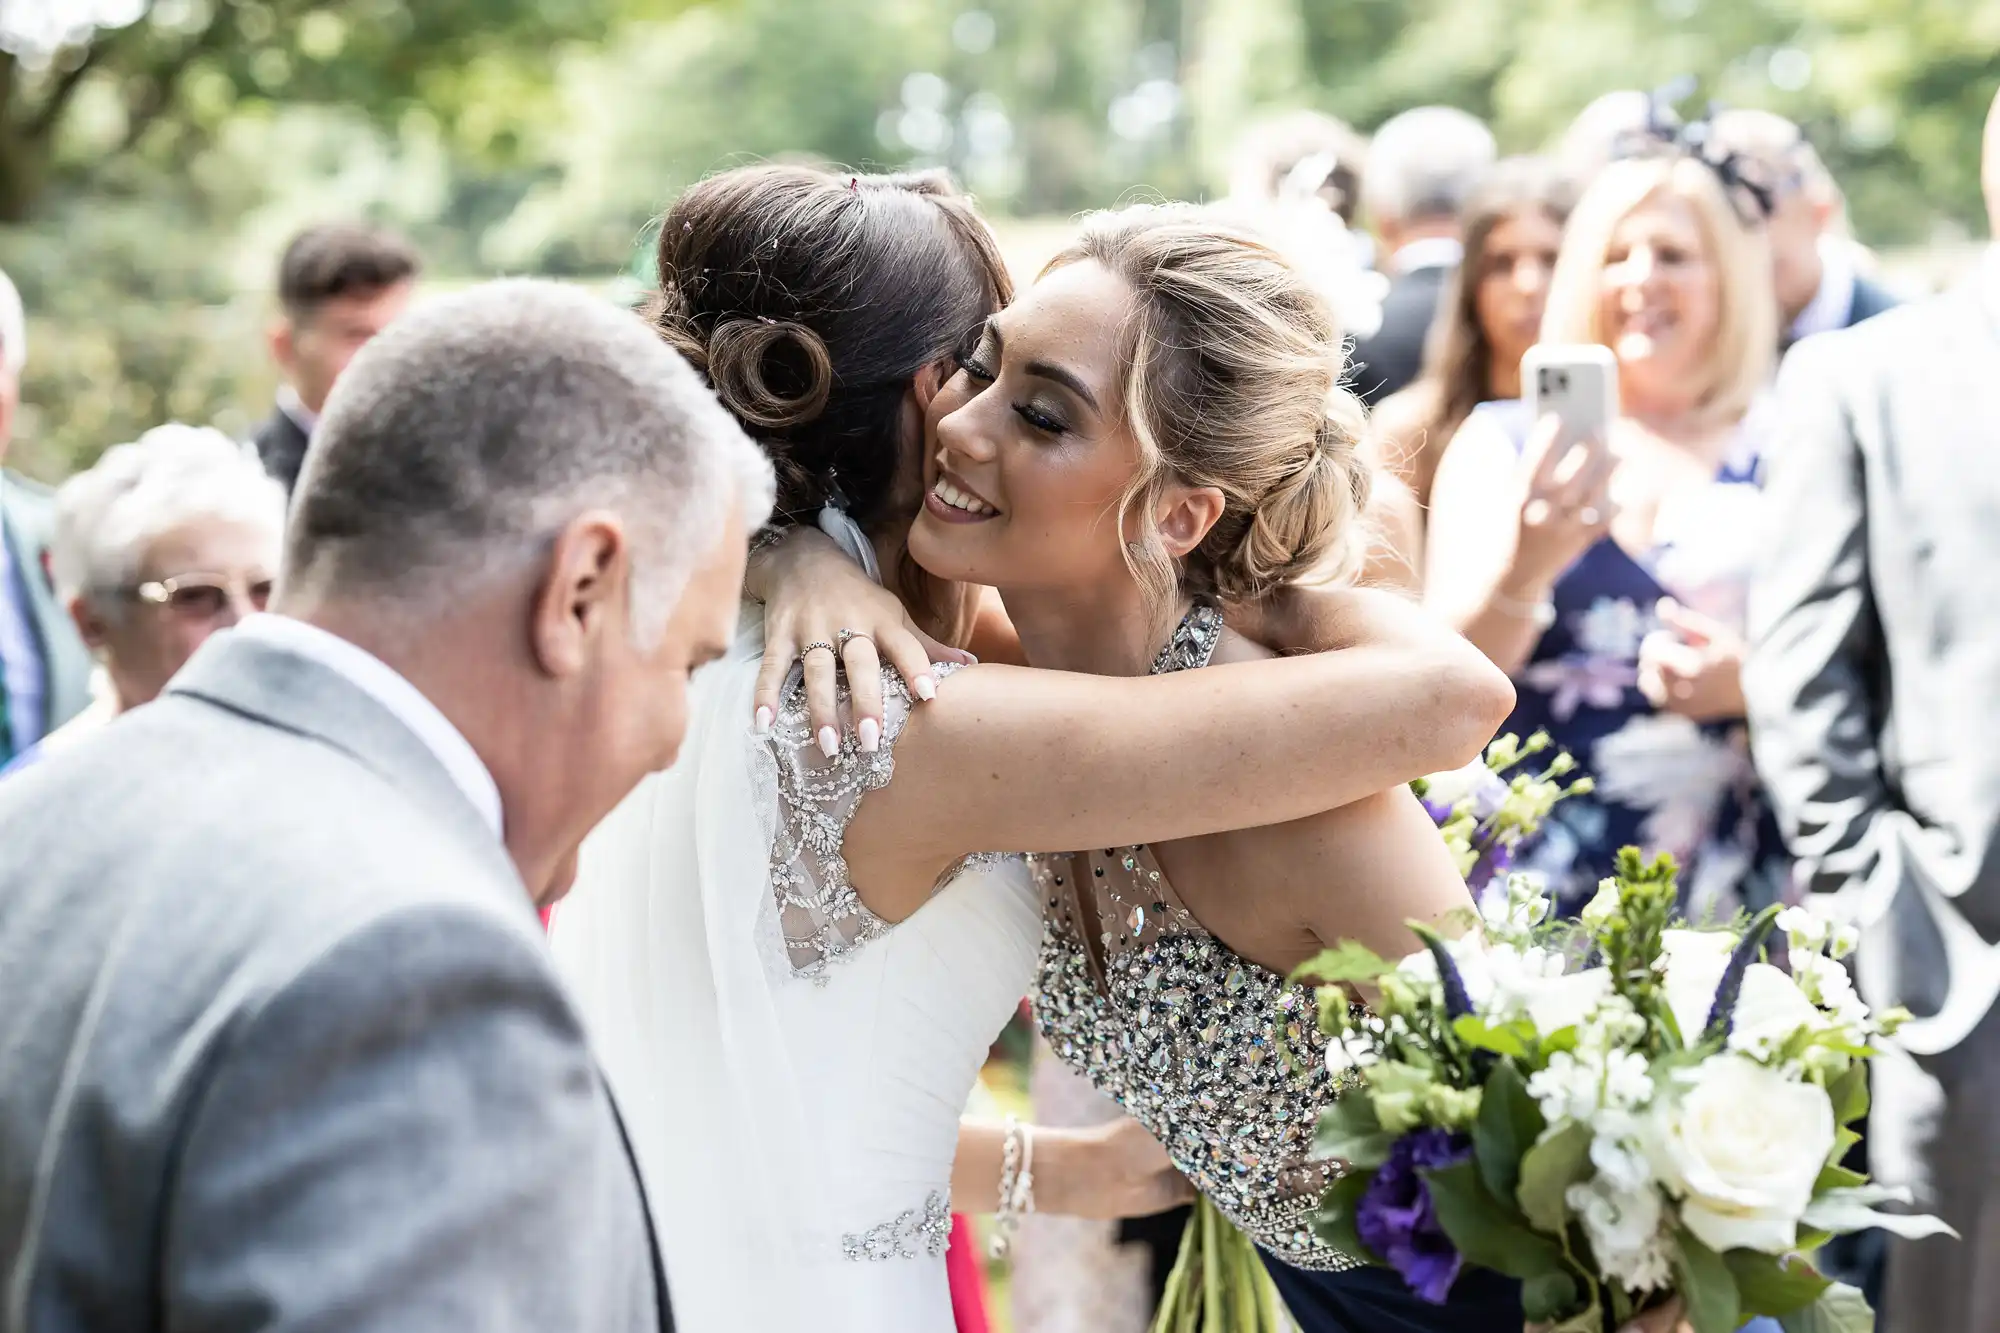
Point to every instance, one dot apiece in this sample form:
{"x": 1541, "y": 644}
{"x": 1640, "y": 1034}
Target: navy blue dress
{"x": 1663, "y": 782}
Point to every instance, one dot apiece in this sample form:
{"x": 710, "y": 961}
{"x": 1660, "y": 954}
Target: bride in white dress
{"x": 793, "y": 987}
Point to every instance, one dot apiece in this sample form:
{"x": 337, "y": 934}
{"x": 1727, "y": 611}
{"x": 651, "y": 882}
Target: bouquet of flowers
{"x": 1485, "y": 811}
{"x": 1667, "y": 1120}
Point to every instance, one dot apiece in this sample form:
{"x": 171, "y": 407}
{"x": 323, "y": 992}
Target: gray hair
{"x": 13, "y": 327}
{"x": 466, "y": 435}
{"x": 108, "y": 517}
{"x": 1423, "y": 163}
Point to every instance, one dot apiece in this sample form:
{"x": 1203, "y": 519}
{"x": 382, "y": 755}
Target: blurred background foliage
{"x": 154, "y": 154}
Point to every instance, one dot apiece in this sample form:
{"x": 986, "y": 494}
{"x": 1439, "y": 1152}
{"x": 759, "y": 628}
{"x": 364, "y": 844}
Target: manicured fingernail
{"x": 829, "y": 742}
{"x": 763, "y": 719}
{"x": 924, "y": 688}
{"x": 970, "y": 660}
{"x": 869, "y": 733}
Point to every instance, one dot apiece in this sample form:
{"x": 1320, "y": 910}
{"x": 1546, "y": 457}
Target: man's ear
{"x": 90, "y": 626}
{"x": 582, "y": 592}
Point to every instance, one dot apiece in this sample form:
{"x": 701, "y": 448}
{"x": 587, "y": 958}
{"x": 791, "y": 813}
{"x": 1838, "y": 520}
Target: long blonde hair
{"x": 1233, "y": 361}
{"x": 1740, "y": 358}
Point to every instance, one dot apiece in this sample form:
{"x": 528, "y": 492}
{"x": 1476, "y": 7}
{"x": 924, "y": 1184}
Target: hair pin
{"x": 687, "y": 226}
{"x": 766, "y": 319}
{"x": 854, "y": 185}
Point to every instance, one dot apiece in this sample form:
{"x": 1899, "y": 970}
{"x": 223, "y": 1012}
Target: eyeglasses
{"x": 202, "y": 596}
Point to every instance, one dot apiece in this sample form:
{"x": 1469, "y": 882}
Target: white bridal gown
{"x": 790, "y": 1068}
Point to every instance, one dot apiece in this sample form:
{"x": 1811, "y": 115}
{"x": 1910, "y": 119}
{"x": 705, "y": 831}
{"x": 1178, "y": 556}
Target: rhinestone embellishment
{"x": 1186, "y": 1035}
{"x": 913, "y": 1232}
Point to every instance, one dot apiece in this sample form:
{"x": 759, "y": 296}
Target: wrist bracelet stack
{"x": 1017, "y": 1185}
{"x": 1540, "y": 614}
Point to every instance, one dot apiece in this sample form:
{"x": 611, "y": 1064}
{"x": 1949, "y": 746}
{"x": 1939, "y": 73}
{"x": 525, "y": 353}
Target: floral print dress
{"x": 1663, "y": 782}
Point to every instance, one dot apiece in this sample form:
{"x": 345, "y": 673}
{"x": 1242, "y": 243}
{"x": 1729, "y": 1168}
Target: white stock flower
{"x": 1624, "y": 1228}
{"x": 1469, "y": 953}
{"x": 1826, "y": 984}
{"x": 1693, "y": 963}
{"x": 1741, "y": 1146}
{"x": 1846, "y": 939}
{"x": 1586, "y": 1085}
{"x": 1618, "y": 1149}
{"x": 1517, "y": 908}
{"x": 1805, "y": 930}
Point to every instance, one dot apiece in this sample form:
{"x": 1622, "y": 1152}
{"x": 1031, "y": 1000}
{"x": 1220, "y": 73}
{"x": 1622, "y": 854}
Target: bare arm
{"x": 1817, "y": 661}
{"x": 811, "y": 592}
{"x": 1504, "y": 528}
{"x": 1370, "y": 869}
{"x": 1112, "y": 1170}
{"x": 1030, "y": 760}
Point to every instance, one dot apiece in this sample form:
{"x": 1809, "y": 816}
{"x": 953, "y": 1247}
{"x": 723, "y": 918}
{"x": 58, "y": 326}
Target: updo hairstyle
{"x": 1234, "y": 361}
{"x": 810, "y": 300}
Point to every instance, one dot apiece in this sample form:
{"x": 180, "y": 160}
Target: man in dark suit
{"x": 1876, "y": 723}
{"x": 1813, "y": 264}
{"x": 285, "y": 1045}
{"x": 44, "y": 667}
{"x": 339, "y": 284}
{"x": 1421, "y": 166}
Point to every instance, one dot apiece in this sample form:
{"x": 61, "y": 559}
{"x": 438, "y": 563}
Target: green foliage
{"x": 149, "y": 174}
{"x": 1770, "y": 1285}
{"x": 1485, "y": 1230}
{"x": 1841, "y": 1309}
{"x": 1548, "y": 1169}
{"x": 1506, "y": 1128}
{"x": 1706, "y": 1285}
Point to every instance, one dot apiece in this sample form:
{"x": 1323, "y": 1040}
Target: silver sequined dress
{"x": 1187, "y": 1035}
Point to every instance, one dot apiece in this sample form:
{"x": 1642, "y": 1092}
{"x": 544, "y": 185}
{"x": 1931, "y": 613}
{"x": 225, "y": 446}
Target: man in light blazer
{"x": 283, "y": 1046}
{"x": 1874, "y": 693}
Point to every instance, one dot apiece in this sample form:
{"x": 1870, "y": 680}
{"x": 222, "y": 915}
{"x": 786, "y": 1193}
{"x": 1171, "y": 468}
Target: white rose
{"x": 1694, "y": 961}
{"x": 1741, "y": 1145}
{"x": 1769, "y": 1010}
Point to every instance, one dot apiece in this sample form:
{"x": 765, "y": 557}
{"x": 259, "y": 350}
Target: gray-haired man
{"x": 283, "y": 1045}
{"x": 1421, "y": 167}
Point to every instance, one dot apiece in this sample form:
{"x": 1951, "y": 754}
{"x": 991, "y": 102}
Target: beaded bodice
{"x": 1215, "y": 1055}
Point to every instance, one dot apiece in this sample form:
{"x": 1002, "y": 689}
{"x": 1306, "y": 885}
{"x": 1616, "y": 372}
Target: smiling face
{"x": 1660, "y": 296}
{"x": 1030, "y": 449}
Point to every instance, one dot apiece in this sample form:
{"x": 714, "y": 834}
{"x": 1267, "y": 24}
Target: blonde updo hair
{"x": 1233, "y": 365}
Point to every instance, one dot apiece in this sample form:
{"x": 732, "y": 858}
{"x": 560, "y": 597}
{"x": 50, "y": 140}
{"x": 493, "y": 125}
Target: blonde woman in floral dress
{"x": 1614, "y": 596}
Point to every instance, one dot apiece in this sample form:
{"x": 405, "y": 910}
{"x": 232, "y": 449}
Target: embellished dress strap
{"x": 820, "y": 916}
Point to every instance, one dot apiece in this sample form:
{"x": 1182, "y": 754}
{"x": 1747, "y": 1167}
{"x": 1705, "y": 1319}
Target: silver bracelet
{"x": 1540, "y": 614}
{"x": 1017, "y": 1185}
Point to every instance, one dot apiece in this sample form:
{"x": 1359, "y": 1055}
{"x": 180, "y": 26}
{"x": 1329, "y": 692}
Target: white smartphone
{"x": 1576, "y": 382}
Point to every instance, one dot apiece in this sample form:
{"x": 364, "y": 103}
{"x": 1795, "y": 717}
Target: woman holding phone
{"x": 1609, "y": 583}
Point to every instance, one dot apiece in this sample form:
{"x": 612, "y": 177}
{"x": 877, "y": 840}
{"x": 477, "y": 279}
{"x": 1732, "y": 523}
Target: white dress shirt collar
{"x": 294, "y": 407}
{"x": 382, "y": 683}
{"x": 1427, "y": 252}
{"x": 1834, "y": 301}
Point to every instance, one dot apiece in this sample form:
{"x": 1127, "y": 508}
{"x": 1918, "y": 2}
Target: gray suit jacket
{"x": 26, "y": 520}
{"x": 1874, "y": 677}
{"x": 283, "y": 1047}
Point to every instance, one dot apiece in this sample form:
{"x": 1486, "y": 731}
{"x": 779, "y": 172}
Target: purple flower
{"x": 1395, "y": 1218}
{"x": 1494, "y": 860}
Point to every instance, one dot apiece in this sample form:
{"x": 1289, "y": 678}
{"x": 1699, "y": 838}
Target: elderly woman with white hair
{"x": 165, "y": 541}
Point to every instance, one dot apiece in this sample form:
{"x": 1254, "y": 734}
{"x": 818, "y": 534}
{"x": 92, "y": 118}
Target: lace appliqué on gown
{"x": 820, "y": 916}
